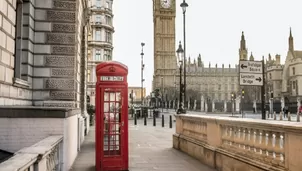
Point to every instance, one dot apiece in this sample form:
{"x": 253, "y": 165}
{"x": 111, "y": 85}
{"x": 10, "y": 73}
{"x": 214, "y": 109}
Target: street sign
{"x": 251, "y": 79}
{"x": 250, "y": 67}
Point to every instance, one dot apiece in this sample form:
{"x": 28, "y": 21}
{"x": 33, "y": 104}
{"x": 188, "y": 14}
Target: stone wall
{"x": 23, "y": 127}
{"x": 12, "y": 91}
{"x": 41, "y": 52}
{"x": 240, "y": 144}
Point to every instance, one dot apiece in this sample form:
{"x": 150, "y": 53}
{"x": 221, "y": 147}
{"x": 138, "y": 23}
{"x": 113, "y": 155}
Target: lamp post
{"x": 142, "y": 77}
{"x": 180, "y": 53}
{"x": 184, "y": 6}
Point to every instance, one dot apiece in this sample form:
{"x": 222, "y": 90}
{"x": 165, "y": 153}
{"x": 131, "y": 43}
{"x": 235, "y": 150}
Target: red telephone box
{"x": 111, "y": 131}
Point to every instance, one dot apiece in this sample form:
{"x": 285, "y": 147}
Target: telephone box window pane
{"x": 112, "y": 107}
{"x": 118, "y": 96}
{"x": 106, "y": 107}
{"x": 112, "y": 96}
{"x": 106, "y": 96}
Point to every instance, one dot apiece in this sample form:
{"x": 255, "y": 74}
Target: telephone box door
{"x": 114, "y": 140}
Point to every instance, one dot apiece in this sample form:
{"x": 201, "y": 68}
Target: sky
{"x": 213, "y": 29}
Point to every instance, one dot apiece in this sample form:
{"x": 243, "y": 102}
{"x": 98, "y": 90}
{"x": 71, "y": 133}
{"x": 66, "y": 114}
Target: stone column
{"x": 194, "y": 104}
{"x": 206, "y": 107}
{"x": 202, "y": 107}
{"x": 282, "y": 103}
{"x": 238, "y": 101}
{"x": 188, "y": 104}
{"x": 225, "y": 106}
{"x": 270, "y": 106}
{"x": 213, "y": 106}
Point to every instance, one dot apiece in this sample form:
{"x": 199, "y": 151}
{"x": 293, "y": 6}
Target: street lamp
{"x": 180, "y": 56}
{"x": 184, "y": 6}
{"x": 142, "y": 77}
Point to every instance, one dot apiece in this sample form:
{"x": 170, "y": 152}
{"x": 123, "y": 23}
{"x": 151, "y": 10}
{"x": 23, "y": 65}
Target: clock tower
{"x": 164, "y": 13}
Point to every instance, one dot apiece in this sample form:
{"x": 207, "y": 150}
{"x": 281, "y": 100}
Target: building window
{"x": 219, "y": 87}
{"x": 98, "y": 35}
{"x": 294, "y": 71}
{"x": 108, "y": 20}
{"x": 98, "y": 18}
{"x": 270, "y": 76}
{"x": 98, "y": 3}
{"x": 97, "y": 55}
{"x": 108, "y": 37}
{"x": 294, "y": 84}
{"x": 108, "y": 5}
{"x": 107, "y": 55}
{"x": 19, "y": 35}
{"x": 233, "y": 87}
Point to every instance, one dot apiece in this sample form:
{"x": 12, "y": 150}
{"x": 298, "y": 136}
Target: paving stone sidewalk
{"x": 150, "y": 149}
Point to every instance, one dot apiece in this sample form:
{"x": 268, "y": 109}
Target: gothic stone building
{"x": 43, "y": 47}
{"x": 284, "y": 81}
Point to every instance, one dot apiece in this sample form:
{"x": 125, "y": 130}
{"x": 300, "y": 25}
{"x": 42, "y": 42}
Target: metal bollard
{"x": 298, "y": 116}
{"x": 145, "y": 120}
{"x": 154, "y": 120}
{"x": 289, "y": 116}
{"x": 281, "y": 116}
{"x": 162, "y": 120}
{"x": 275, "y": 116}
{"x": 135, "y": 119}
{"x": 170, "y": 121}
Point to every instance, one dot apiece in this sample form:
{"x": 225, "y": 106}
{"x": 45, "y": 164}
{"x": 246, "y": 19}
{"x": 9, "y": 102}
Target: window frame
{"x": 98, "y": 37}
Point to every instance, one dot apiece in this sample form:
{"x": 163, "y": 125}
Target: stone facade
{"x": 99, "y": 40}
{"x": 137, "y": 91}
{"x": 43, "y": 67}
{"x": 41, "y": 52}
{"x": 284, "y": 80}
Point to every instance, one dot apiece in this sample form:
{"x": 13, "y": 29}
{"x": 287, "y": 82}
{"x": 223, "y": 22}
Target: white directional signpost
{"x": 251, "y": 73}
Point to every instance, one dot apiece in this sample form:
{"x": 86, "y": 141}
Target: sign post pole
{"x": 263, "y": 93}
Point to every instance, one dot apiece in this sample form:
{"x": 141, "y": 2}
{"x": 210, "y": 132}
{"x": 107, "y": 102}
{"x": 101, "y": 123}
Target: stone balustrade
{"x": 45, "y": 155}
{"x": 240, "y": 144}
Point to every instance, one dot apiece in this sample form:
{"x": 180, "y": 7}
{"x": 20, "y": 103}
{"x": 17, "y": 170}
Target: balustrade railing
{"x": 42, "y": 156}
{"x": 261, "y": 144}
{"x": 273, "y": 143}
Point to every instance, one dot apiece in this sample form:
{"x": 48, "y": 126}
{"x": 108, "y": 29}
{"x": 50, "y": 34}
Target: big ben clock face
{"x": 165, "y": 3}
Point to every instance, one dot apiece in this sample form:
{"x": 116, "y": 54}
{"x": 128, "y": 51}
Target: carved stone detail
{"x": 60, "y": 38}
{"x": 60, "y": 84}
{"x": 61, "y": 16}
{"x": 58, "y": 27}
{"x": 63, "y": 50}
{"x": 62, "y": 72}
{"x": 62, "y": 95}
{"x": 67, "y": 105}
{"x": 64, "y": 5}
{"x": 59, "y": 61}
